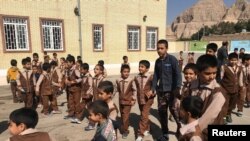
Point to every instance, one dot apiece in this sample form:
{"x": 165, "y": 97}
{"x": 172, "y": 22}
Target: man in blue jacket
{"x": 166, "y": 82}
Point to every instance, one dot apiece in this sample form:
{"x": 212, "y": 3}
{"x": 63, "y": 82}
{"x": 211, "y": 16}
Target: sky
{"x": 176, "y": 7}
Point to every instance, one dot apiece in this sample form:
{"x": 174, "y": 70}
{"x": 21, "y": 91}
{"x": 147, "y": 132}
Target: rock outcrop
{"x": 208, "y": 13}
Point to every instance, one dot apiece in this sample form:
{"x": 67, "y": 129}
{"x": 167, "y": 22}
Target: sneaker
{"x": 68, "y": 117}
{"x": 229, "y": 119}
{"x": 75, "y": 120}
{"x": 225, "y": 120}
{"x": 124, "y": 135}
{"x": 89, "y": 127}
{"x": 146, "y": 133}
{"x": 164, "y": 137}
{"x": 56, "y": 112}
{"x": 239, "y": 113}
{"x": 139, "y": 138}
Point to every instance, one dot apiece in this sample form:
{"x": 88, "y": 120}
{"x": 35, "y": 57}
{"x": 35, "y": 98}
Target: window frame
{"x": 157, "y": 37}
{"x": 93, "y": 41}
{"x": 139, "y": 47}
{"x": 29, "y": 50}
{"x": 41, "y": 19}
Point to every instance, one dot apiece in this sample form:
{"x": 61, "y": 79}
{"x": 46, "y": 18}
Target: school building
{"x": 110, "y": 29}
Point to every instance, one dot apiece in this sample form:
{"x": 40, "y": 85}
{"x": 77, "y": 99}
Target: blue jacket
{"x": 167, "y": 75}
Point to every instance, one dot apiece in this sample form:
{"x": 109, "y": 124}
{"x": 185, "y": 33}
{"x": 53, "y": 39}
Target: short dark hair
{"x": 79, "y": 61}
{"x": 101, "y": 62}
{"x": 45, "y": 52}
{"x": 193, "y": 104}
{"x": 163, "y": 41}
{"x": 46, "y": 66}
{"x": 54, "y": 54}
{"x": 242, "y": 49}
{"x": 233, "y": 56}
{"x": 145, "y": 63}
{"x": 28, "y": 59}
{"x": 124, "y": 57}
{"x": 63, "y": 59}
{"x": 181, "y": 51}
{"x": 212, "y": 46}
{"x": 25, "y": 61}
{"x": 225, "y": 43}
{"x": 79, "y": 58}
{"x": 53, "y": 63}
{"x": 35, "y": 54}
{"x": 246, "y": 57}
{"x": 125, "y": 66}
{"x": 99, "y": 107}
{"x": 27, "y": 116}
{"x": 13, "y": 62}
{"x": 101, "y": 67}
{"x": 71, "y": 58}
{"x": 85, "y": 66}
{"x": 191, "y": 66}
{"x": 206, "y": 61}
{"x": 106, "y": 86}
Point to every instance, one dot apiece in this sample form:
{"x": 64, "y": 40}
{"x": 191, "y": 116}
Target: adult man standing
{"x": 222, "y": 55}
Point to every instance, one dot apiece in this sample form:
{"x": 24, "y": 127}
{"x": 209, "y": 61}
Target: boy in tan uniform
{"x": 127, "y": 97}
{"x": 210, "y": 92}
{"x": 26, "y": 82}
{"x": 145, "y": 97}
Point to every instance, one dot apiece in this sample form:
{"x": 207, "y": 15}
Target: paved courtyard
{"x": 63, "y": 130}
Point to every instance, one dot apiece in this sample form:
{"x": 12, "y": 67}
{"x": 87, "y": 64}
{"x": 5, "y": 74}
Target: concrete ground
{"x": 63, "y": 130}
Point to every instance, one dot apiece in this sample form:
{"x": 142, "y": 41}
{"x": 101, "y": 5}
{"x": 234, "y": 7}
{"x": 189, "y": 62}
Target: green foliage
{"x": 222, "y": 28}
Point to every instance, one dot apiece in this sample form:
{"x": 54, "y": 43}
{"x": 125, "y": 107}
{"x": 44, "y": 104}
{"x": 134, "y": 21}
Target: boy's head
{"x": 28, "y": 59}
{"x": 211, "y": 49}
{"x": 46, "y": 67}
{"x": 125, "y": 59}
{"x": 78, "y": 58}
{"x": 125, "y": 70}
{"x": 190, "y": 72}
{"x": 101, "y": 62}
{"x": 162, "y": 48}
{"x": 46, "y": 58}
{"x": 105, "y": 90}
{"x": 191, "y": 107}
{"x": 13, "y": 62}
{"x": 98, "y": 70}
{"x": 242, "y": 50}
{"x": 247, "y": 59}
{"x": 144, "y": 66}
{"x": 34, "y": 68}
{"x": 62, "y": 59}
{"x": 45, "y": 52}
{"x": 22, "y": 119}
{"x": 70, "y": 61}
{"x": 79, "y": 63}
{"x": 98, "y": 111}
{"x": 35, "y": 57}
{"x": 26, "y": 64}
{"x": 181, "y": 52}
{"x": 233, "y": 59}
{"x": 84, "y": 68}
{"x": 225, "y": 43}
{"x": 54, "y": 55}
{"x": 207, "y": 68}
{"x": 236, "y": 50}
{"x": 53, "y": 64}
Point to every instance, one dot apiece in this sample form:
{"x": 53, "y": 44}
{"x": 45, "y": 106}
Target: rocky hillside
{"x": 207, "y": 13}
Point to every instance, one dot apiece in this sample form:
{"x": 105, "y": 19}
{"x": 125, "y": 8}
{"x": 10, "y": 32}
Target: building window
{"x": 133, "y": 38}
{"x": 16, "y": 34}
{"x": 98, "y": 37}
{"x": 151, "y": 38}
{"x": 52, "y": 35}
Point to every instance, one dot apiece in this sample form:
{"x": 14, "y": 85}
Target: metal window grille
{"x": 133, "y": 38}
{"x": 52, "y": 35}
{"x": 151, "y": 39}
{"x": 98, "y": 37}
{"x": 16, "y": 34}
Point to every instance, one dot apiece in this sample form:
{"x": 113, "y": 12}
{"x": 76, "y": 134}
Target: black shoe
{"x": 164, "y": 137}
{"x": 229, "y": 119}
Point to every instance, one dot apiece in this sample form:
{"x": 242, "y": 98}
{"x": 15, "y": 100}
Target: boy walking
{"x": 167, "y": 81}
{"x": 145, "y": 97}
{"x": 11, "y": 78}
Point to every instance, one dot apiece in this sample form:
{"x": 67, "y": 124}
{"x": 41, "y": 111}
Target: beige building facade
{"x": 110, "y": 29}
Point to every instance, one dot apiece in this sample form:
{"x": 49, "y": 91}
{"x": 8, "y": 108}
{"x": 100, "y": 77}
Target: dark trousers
{"x": 231, "y": 100}
{"x": 13, "y": 86}
{"x": 74, "y": 102}
{"x": 125, "y": 111}
{"x": 165, "y": 101}
{"x": 49, "y": 101}
{"x": 248, "y": 94}
{"x": 29, "y": 100}
{"x": 144, "y": 124}
{"x": 241, "y": 99}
